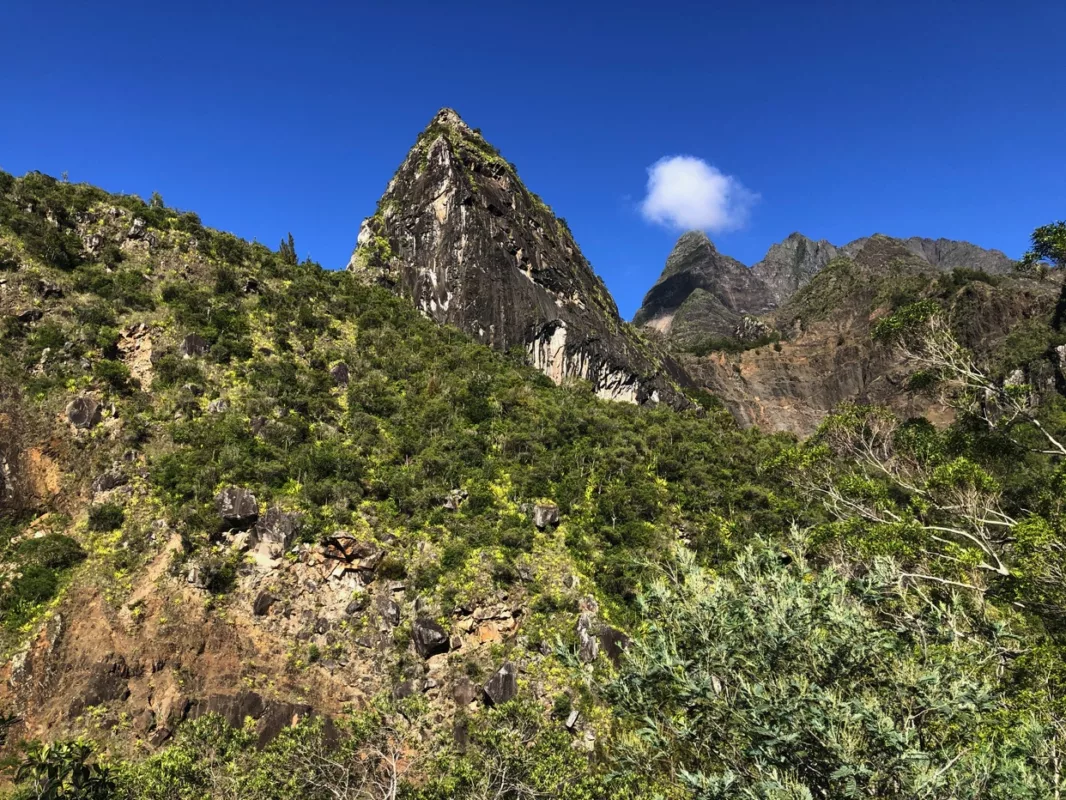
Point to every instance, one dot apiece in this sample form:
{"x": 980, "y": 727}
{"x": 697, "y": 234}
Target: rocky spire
{"x": 701, "y": 292}
{"x": 459, "y": 233}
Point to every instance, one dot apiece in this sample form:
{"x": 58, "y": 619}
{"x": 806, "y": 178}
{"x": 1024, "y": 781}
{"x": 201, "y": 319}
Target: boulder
{"x": 198, "y": 575}
{"x": 357, "y": 604}
{"x": 588, "y": 642}
{"x": 83, "y": 412}
{"x": 193, "y": 345}
{"x": 455, "y": 499}
{"x": 341, "y": 374}
{"x": 502, "y": 686}
{"x": 429, "y": 638}
{"x": 262, "y": 604}
{"x": 106, "y": 481}
{"x": 32, "y": 315}
{"x": 144, "y": 722}
{"x": 390, "y": 612}
{"x": 275, "y": 530}
{"x": 237, "y": 506}
{"x": 545, "y": 515}
{"x": 464, "y": 693}
{"x": 138, "y": 228}
{"x": 218, "y": 405}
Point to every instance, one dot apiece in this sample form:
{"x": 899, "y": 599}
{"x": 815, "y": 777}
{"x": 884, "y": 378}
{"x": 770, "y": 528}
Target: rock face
{"x": 790, "y": 265}
{"x": 458, "y": 233}
{"x": 829, "y": 356}
{"x": 701, "y": 292}
{"x": 820, "y": 300}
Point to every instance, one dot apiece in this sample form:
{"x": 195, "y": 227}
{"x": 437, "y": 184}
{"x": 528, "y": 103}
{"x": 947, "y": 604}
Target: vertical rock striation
{"x": 458, "y": 233}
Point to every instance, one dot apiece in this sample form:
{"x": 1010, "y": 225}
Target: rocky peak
{"x": 699, "y": 282}
{"x": 450, "y": 118}
{"x": 789, "y": 265}
{"x": 460, "y": 235}
{"x": 944, "y": 254}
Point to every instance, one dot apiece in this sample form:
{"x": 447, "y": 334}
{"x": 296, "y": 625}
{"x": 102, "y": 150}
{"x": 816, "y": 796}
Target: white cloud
{"x": 687, "y": 193}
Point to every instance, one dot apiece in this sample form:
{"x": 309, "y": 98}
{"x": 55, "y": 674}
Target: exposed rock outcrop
{"x": 458, "y": 233}
{"x": 701, "y": 292}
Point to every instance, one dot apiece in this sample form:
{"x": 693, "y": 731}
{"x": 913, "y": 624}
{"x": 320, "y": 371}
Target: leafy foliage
{"x": 780, "y": 679}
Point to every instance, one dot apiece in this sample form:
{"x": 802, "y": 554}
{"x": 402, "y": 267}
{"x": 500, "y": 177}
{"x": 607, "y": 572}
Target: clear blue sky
{"x": 908, "y": 118}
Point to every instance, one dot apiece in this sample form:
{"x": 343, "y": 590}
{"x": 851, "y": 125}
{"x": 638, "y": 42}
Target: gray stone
{"x": 588, "y": 642}
{"x": 357, "y": 604}
{"x": 390, "y": 612}
{"x": 464, "y": 693}
{"x": 106, "y": 481}
{"x": 193, "y": 345}
{"x": 218, "y": 405}
{"x": 341, "y": 374}
{"x": 276, "y": 529}
{"x": 429, "y": 638}
{"x": 83, "y": 412}
{"x": 454, "y": 499}
{"x": 237, "y": 506}
{"x": 263, "y": 601}
{"x": 502, "y": 686}
{"x": 545, "y": 515}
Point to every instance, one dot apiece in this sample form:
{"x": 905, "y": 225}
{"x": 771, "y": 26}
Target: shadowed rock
{"x": 237, "y": 506}
{"x": 429, "y": 638}
{"x": 83, "y": 412}
{"x": 193, "y": 345}
{"x": 502, "y": 686}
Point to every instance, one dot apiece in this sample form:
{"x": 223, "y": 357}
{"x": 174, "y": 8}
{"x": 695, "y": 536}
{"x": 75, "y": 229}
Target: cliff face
{"x": 458, "y": 233}
{"x": 701, "y": 292}
{"x": 829, "y": 357}
{"x": 790, "y": 265}
{"x": 820, "y": 300}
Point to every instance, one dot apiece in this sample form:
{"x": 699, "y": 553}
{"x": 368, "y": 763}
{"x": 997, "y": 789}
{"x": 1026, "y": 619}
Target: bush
{"x": 778, "y": 679}
{"x": 106, "y": 517}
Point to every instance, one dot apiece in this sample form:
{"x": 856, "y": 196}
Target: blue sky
{"x": 845, "y": 118}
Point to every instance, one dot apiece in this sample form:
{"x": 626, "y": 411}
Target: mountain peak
{"x": 695, "y": 269}
{"x": 449, "y": 118}
{"x": 459, "y": 234}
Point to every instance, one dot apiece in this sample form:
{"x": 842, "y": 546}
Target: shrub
{"x": 106, "y": 517}
{"x": 778, "y": 679}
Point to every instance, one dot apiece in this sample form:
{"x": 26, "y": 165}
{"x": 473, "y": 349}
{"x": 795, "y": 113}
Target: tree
{"x": 62, "y": 771}
{"x": 906, "y": 489}
{"x": 777, "y": 679}
{"x": 287, "y": 249}
{"x": 156, "y": 201}
{"x": 1047, "y": 251}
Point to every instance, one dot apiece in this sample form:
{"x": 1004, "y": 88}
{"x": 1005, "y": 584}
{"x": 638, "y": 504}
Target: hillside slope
{"x": 234, "y": 483}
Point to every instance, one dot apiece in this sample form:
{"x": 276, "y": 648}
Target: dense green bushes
{"x": 36, "y": 568}
{"x": 779, "y": 678}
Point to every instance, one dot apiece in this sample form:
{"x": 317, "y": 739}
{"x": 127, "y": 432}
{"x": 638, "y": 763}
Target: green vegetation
{"x": 876, "y": 612}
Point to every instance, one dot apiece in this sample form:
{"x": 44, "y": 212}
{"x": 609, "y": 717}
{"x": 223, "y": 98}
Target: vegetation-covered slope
{"x": 269, "y": 532}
